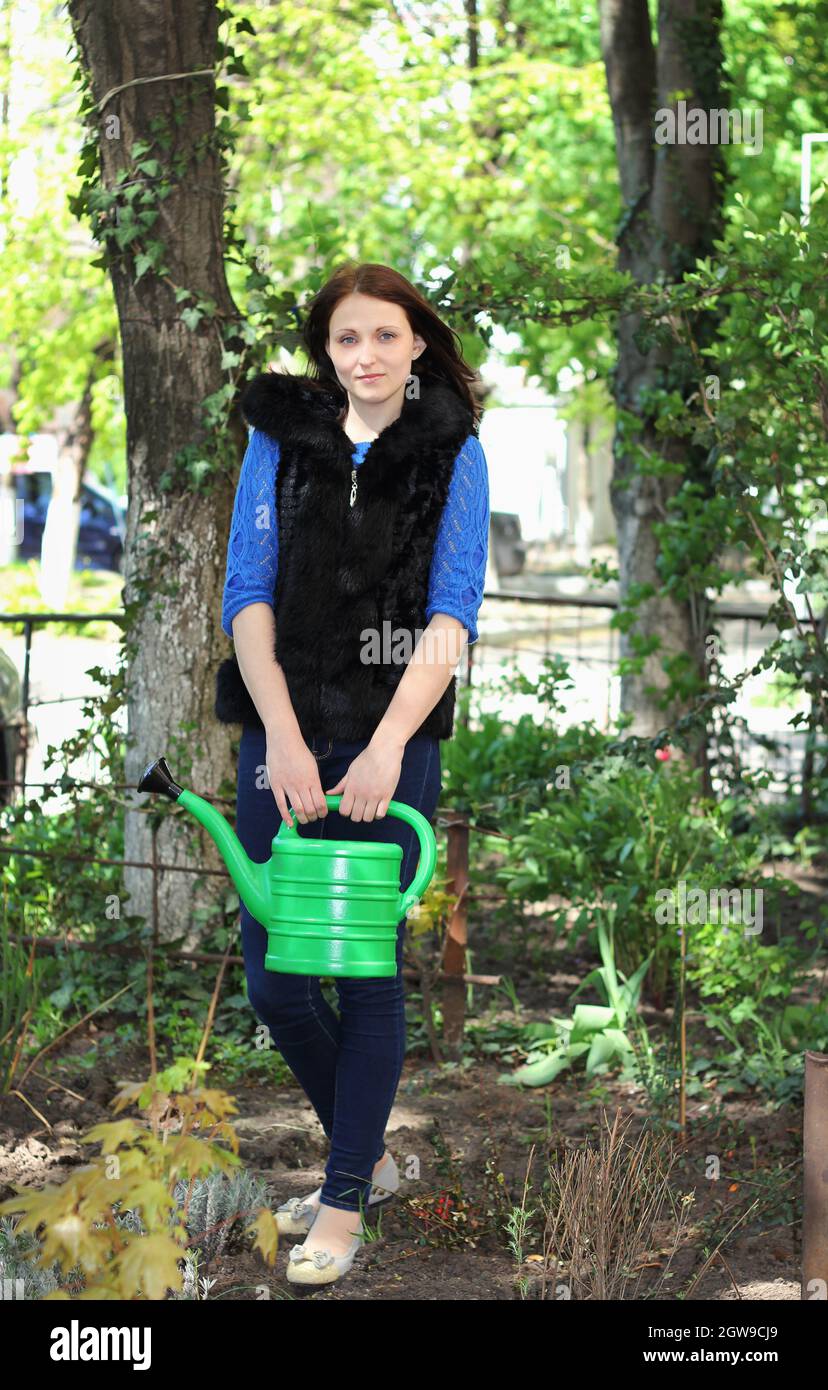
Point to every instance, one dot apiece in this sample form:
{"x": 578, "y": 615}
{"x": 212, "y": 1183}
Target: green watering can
{"x": 330, "y": 907}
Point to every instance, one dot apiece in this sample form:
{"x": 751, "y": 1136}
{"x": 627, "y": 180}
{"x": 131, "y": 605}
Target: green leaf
{"x": 540, "y": 1073}
{"x": 589, "y": 1018}
{"x": 601, "y": 1052}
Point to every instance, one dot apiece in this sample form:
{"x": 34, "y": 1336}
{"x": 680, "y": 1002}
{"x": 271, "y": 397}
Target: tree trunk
{"x": 176, "y": 535}
{"x": 672, "y": 196}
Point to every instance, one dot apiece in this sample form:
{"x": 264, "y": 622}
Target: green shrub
{"x": 620, "y": 835}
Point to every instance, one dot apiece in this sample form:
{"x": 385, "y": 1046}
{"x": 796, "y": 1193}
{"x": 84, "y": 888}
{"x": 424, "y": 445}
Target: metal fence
{"x": 529, "y": 627}
{"x": 517, "y": 629}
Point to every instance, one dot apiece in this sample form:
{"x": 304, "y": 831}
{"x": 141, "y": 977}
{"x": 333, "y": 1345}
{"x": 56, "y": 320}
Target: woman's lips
{"x": 375, "y": 376}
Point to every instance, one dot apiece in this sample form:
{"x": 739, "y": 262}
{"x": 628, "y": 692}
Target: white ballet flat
{"x": 319, "y": 1266}
{"x": 296, "y": 1216}
{"x": 386, "y": 1183}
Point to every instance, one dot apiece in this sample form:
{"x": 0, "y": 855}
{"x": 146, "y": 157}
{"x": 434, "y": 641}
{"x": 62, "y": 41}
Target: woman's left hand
{"x": 370, "y": 782}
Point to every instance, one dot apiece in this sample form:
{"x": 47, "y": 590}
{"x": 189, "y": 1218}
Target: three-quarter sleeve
{"x": 458, "y": 565}
{"x": 252, "y": 550}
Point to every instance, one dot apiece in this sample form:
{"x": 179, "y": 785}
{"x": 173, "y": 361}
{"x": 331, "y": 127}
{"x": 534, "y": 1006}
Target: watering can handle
{"x": 425, "y": 834}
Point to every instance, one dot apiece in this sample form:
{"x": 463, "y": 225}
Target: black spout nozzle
{"x": 157, "y": 777}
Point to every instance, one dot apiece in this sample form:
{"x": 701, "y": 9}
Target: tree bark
{"x": 176, "y": 536}
{"x": 672, "y": 197}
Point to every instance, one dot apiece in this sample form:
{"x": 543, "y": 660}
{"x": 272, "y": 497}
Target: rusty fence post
{"x": 815, "y": 1178}
{"x": 456, "y": 941}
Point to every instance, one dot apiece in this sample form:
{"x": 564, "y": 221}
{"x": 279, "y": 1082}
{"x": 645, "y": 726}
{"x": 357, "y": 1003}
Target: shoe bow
{"x": 297, "y": 1206}
{"x": 321, "y": 1258}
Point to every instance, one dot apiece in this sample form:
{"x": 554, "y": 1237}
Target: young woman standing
{"x": 355, "y": 573}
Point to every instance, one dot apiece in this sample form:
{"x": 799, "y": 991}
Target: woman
{"x": 355, "y": 572}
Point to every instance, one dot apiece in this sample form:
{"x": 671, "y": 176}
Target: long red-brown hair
{"x": 441, "y": 359}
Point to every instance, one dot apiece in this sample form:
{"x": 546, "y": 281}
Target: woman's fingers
{"x": 310, "y": 803}
{"x": 361, "y": 810}
{"x": 297, "y": 804}
{"x": 282, "y": 804}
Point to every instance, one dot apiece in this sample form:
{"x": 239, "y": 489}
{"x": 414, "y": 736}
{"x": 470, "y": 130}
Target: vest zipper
{"x": 353, "y": 486}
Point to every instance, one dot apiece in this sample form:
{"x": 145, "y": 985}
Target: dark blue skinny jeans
{"x": 348, "y": 1064}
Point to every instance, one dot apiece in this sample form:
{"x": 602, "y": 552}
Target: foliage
{"x": 623, "y": 833}
{"x": 497, "y": 770}
{"x": 761, "y": 999}
{"x": 19, "y": 1251}
{"x": 212, "y": 1208}
{"x": 599, "y": 1031}
{"x": 765, "y": 1052}
{"x": 137, "y": 1172}
{"x": 728, "y": 967}
{"x": 759, "y": 415}
{"x": 19, "y": 984}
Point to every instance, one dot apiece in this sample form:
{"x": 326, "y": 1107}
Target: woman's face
{"x": 371, "y": 345}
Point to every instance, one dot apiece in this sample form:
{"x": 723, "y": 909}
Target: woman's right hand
{"x": 293, "y": 773}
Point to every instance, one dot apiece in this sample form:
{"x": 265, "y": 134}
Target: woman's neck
{"x": 362, "y": 424}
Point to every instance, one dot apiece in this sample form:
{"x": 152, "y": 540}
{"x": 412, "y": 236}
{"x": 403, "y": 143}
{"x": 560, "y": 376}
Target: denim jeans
{"x": 348, "y": 1064}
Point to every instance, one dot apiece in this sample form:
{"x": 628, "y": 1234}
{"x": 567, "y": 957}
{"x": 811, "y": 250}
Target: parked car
{"x": 11, "y": 725}
{"x": 102, "y": 530}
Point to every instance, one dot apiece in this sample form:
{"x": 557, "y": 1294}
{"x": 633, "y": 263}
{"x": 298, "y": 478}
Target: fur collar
{"x": 300, "y": 410}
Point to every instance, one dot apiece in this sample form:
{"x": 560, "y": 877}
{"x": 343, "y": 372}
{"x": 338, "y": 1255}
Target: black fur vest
{"x": 346, "y": 568}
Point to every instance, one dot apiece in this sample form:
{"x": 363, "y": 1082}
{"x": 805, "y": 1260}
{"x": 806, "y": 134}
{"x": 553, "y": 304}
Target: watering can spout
{"x": 251, "y": 879}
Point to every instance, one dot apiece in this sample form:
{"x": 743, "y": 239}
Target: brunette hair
{"x": 441, "y": 359}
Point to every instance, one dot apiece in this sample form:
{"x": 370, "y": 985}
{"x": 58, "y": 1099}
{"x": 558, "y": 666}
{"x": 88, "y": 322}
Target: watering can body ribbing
{"x": 329, "y": 907}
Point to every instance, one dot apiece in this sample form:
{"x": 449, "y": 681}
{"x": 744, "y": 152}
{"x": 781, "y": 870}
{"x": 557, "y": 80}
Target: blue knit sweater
{"x": 458, "y": 564}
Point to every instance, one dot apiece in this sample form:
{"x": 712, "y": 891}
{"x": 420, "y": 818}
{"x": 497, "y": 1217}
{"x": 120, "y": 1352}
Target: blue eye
{"x": 386, "y": 333}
